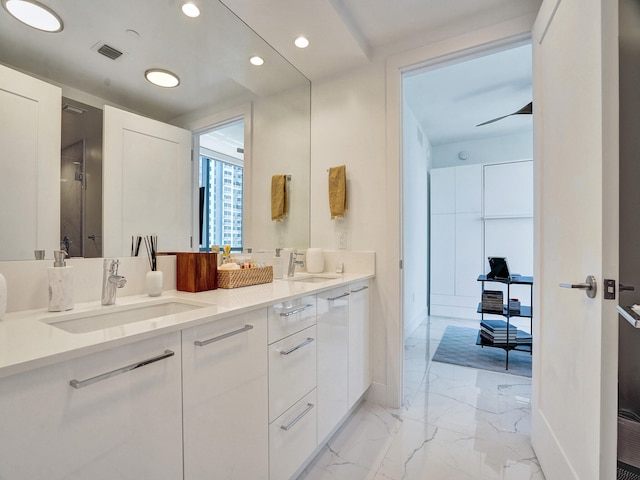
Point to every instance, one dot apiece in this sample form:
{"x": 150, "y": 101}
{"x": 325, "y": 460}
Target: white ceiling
{"x": 344, "y": 34}
{"x": 451, "y": 100}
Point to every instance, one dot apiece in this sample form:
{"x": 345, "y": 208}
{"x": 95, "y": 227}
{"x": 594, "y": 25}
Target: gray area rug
{"x": 458, "y": 346}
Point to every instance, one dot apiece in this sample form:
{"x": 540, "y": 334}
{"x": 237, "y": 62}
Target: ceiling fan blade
{"x": 526, "y": 110}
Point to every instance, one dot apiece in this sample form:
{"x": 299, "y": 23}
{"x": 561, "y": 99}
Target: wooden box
{"x": 196, "y": 272}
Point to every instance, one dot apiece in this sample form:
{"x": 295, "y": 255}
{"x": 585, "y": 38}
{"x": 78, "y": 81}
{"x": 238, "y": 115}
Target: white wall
{"x": 500, "y": 149}
{"x": 348, "y": 127}
{"x": 416, "y": 165}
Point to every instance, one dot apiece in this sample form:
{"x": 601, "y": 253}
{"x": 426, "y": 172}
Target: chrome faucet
{"x": 293, "y": 261}
{"x": 110, "y": 281}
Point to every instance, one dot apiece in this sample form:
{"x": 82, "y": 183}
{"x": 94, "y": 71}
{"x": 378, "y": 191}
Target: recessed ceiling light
{"x": 162, "y": 78}
{"x": 190, "y": 10}
{"x": 257, "y": 61}
{"x": 34, "y": 14}
{"x": 301, "y": 42}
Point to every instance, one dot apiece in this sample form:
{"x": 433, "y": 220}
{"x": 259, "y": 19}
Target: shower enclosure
{"x": 81, "y": 180}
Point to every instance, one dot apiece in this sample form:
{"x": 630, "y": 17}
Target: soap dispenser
{"x": 60, "y": 283}
{"x": 278, "y": 264}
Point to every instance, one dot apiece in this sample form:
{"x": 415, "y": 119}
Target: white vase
{"x": 3, "y": 295}
{"x": 314, "y": 260}
{"x": 154, "y": 283}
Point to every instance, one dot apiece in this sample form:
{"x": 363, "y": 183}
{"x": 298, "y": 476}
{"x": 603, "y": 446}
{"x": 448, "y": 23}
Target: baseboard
{"x": 377, "y": 393}
{"x": 412, "y": 325}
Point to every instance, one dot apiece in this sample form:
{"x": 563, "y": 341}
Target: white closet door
{"x": 443, "y": 254}
{"x": 468, "y": 248}
{"x": 508, "y": 189}
{"x": 147, "y": 182}
{"x": 468, "y": 182}
{"x": 443, "y": 190}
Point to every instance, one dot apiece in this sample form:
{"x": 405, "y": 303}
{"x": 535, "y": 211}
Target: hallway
{"x": 457, "y": 423}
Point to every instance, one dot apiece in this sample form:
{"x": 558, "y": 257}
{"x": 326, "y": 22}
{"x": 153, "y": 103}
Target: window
{"x": 221, "y": 186}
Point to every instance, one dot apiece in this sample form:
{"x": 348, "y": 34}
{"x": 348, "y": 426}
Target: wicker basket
{"x": 244, "y": 277}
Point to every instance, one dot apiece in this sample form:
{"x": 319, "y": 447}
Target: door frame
{"x": 477, "y": 43}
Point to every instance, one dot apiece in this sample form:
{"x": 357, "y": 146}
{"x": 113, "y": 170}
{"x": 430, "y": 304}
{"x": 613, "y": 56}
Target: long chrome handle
{"x": 291, "y": 350}
{"x": 98, "y": 378}
{"x": 202, "y": 343}
{"x": 296, "y": 310}
{"x": 589, "y": 286}
{"x": 345, "y": 294}
{"x": 360, "y": 289}
{"x": 298, "y": 418}
{"x": 626, "y": 288}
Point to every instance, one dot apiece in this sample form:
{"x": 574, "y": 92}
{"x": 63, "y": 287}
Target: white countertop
{"x": 28, "y": 342}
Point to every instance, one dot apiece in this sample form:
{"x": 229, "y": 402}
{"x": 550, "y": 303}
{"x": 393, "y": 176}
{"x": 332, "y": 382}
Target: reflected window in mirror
{"x": 221, "y": 174}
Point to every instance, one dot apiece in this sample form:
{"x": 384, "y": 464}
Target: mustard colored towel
{"x": 338, "y": 192}
{"x": 279, "y": 198}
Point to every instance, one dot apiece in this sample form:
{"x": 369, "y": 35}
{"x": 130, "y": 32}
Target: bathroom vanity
{"x": 246, "y": 383}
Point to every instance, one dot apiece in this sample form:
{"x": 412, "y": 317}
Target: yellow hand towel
{"x": 279, "y": 198}
{"x": 338, "y": 192}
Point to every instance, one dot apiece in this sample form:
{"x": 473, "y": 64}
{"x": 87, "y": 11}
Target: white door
{"x": 146, "y": 183}
{"x": 576, "y": 234}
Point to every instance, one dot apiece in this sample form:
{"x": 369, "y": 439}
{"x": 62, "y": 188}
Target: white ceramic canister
{"x": 314, "y": 260}
{"x": 154, "y": 283}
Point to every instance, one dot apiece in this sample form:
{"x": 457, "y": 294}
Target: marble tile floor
{"x": 456, "y": 423}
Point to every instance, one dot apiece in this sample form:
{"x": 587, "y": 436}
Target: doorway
{"x": 81, "y": 180}
{"x": 450, "y": 167}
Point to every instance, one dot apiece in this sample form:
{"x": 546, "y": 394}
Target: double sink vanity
{"x": 245, "y": 383}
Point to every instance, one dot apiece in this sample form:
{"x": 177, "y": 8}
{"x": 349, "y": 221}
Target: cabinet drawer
{"x": 291, "y": 316}
{"x": 292, "y": 438}
{"x": 292, "y": 370}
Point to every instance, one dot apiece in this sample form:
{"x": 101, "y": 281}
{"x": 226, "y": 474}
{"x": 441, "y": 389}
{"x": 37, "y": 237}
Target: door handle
{"x": 589, "y": 286}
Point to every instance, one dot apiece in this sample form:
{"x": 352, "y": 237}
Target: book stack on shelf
{"x": 492, "y": 301}
{"x": 497, "y": 331}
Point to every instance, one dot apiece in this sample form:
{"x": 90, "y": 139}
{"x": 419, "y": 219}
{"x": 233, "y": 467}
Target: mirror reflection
{"x": 58, "y": 204}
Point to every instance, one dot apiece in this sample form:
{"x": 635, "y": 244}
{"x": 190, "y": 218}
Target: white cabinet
{"x": 292, "y": 370}
{"x": 225, "y": 398}
{"x": 333, "y": 348}
{"x": 113, "y": 425}
{"x": 443, "y": 254}
{"x": 30, "y": 167}
{"x": 443, "y": 191}
{"x": 292, "y": 385}
{"x": 359, "y": 341}
{"x": 291, "y": 316}
{"x": 292, "y": 438}
{"x": 456, "y": 238}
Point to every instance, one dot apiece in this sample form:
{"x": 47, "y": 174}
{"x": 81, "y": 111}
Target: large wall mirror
{"x": 99, "y": 60}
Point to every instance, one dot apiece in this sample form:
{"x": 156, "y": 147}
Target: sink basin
{"x": 114, "y": 316}
{"x": 314, "y": 278}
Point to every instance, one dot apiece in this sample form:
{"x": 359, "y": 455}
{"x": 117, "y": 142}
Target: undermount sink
{"x": 314, "y": 278}
{"x": 114, "y": 316}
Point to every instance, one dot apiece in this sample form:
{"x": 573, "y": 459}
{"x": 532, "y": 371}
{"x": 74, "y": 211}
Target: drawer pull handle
{"x": 296, "y": 310}
{"x": 98, "y": 378}
{"x": 298, "y": 418}
{"x": 345, "y": 294}
{"x": 202, "y": 343}
{"x": 291, "y": 350}
{"x": 360, "y": 289}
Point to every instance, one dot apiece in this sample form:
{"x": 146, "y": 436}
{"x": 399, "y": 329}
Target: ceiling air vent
{"x": 110, "y": 52}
